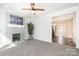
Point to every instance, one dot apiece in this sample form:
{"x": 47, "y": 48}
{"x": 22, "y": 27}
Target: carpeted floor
{"x": 38, "y": 48}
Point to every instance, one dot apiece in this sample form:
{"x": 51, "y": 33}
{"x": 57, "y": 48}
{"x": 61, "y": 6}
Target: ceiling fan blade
{"x": 34, "y": 9}
{"x": 39, "y": 9}
{"x": 26, "y": 9}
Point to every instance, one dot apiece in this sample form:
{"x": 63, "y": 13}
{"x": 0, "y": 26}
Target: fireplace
{"x": 15, "y": 37}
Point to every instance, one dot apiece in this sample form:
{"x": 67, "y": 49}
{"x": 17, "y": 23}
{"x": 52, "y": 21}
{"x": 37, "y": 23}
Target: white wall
{"x": 77, "y": 28}
{"x": 42, "y": 29}
{"x": 2, "y": 21}
{"x": 3, "y": 38}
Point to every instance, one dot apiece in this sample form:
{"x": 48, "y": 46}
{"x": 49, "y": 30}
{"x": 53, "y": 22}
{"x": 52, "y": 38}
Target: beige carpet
{"x": 39, "y": 48}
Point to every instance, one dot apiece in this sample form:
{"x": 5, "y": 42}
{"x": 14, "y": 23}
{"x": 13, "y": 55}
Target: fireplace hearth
{"x": 15, "y": 37}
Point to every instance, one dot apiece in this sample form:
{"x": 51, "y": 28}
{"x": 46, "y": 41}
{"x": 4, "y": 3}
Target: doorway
{"x": 62, "y": 29}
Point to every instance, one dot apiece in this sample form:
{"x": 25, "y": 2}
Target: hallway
{"x": 63, "y": 29}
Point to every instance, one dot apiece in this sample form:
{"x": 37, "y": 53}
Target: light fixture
{"x": 33, "y": 12}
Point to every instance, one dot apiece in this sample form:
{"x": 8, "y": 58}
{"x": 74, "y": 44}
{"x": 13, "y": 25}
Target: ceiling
{"x": 49, "y": 7}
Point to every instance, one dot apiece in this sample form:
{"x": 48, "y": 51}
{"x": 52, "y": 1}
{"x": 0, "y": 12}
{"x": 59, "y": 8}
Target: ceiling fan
{"x": 33, "y": 9}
